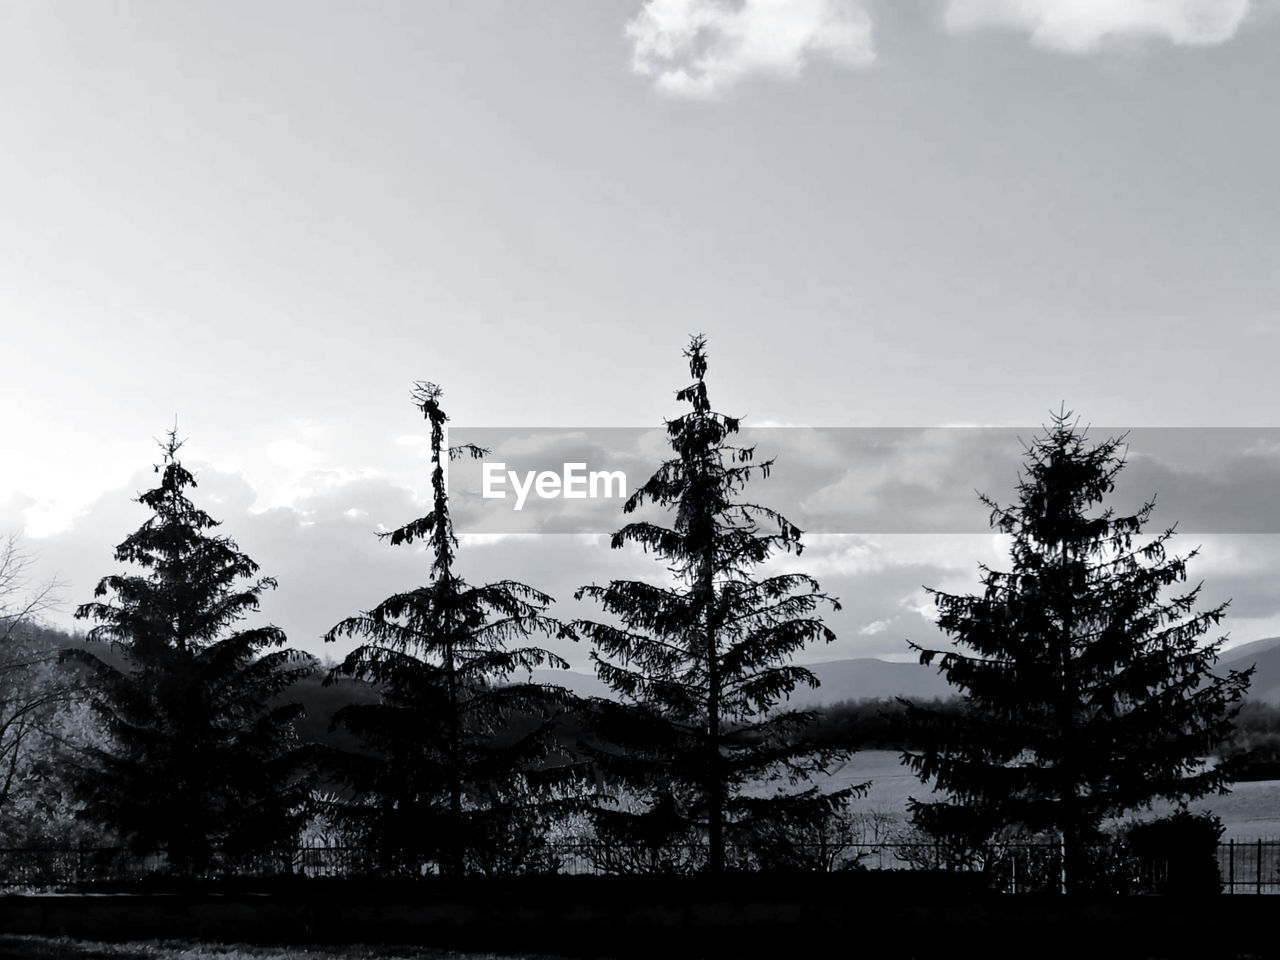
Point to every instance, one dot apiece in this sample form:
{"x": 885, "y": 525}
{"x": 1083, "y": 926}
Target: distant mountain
{"x": 863, "y": 678}
{"x": 1266, "y": 655}
{"x": 582, "y": 684}
{"x": 1248, "y": 650}
{"x": 868, "y": 678}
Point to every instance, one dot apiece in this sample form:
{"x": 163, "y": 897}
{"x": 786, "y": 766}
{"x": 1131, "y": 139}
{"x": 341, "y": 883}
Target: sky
{"x": 266, "y": 221}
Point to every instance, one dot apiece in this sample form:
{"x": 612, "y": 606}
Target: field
{"x": 1250, "y": 811}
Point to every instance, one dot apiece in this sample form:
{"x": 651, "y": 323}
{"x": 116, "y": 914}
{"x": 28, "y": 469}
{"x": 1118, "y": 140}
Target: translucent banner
{"x": 859, "y": 480}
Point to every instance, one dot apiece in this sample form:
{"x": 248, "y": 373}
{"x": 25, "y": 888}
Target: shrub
{"x": 1178, "y": 854}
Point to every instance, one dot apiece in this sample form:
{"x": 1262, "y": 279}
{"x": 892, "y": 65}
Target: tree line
{"x": 1085, "y": 688}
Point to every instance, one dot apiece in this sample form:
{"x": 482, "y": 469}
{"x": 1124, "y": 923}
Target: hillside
{"x": 841, "y": 680}
{"x": 868, "y": 678}
{"x": 1265, "y": 654}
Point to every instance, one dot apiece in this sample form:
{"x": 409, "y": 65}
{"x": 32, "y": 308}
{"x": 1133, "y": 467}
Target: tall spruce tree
{"x": 203, "y": 764}
{"x": 452, "y": 740}
{"x": 702, "y": 662}
{"x": 1087, "y": 691}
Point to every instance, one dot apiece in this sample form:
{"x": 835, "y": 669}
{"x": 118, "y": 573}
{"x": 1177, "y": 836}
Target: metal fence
{"x": 1249, "y": 866}
{"x": 1244, "y": 866}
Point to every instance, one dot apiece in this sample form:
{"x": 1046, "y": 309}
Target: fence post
{"x": 1259, "y": 876}
{"x": 1231, "y": 865}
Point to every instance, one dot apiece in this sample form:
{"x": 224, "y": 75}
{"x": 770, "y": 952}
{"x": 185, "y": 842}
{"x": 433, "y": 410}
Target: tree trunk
{"x": 715, "y": 779}
{"x": 454, "y": 841}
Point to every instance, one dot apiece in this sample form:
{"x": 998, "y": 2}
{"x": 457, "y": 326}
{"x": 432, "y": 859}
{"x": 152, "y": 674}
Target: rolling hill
{"x": 858, "y": 679}
{"x": 866, "y": 678}
{"x": 1265, "y": 654}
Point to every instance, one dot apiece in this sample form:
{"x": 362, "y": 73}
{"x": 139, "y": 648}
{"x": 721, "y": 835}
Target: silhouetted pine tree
{"x": 203, "y": 762}
{"x": 1087, "y": 691}
{"x": 705, "y": 659}
{"x": 446, "y": 783}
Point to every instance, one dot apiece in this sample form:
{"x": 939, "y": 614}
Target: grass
{"x": 63, "y": 948}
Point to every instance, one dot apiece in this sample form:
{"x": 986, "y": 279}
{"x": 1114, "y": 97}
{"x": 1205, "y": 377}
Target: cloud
{"x": 1082, "y": 26}
{"x": 700, "y": 48}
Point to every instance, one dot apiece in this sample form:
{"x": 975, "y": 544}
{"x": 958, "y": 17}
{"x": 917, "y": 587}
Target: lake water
{"x": 1250, "y": 811}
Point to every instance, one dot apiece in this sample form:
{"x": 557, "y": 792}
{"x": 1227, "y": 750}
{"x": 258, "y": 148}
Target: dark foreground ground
{"x": 774, "y": 918}
{"x": 64, "y": 948}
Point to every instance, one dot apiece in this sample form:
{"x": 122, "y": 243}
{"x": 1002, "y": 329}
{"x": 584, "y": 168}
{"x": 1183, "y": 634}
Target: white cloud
{"x": 292, "y": 453}
{"x": 1082, "y": 26}
{"x": 699, "y": 48}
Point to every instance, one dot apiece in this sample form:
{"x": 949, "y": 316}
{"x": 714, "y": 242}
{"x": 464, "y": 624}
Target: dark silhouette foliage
{"x": 1179, "y": 852}
{"x": 706, "y": 659}
{"x": 1087, "y": 691}
{"x": 203, "y": 766}
{"x": 1254, "y": 746}
{"x": 878, "y": 723}
{"x": 443, "y": 783}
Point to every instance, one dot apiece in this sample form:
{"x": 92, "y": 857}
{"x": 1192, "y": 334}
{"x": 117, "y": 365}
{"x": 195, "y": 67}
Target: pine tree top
{"x": 193, "y": 588}
{"x": 447, "y": 617}
{"x": 713, "y": 547}
{"x": 1065, "y": 477}
{"x": 702, "y": 483}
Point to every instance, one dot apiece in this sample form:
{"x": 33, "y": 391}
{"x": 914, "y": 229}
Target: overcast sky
{"x": 268, "y": 219}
